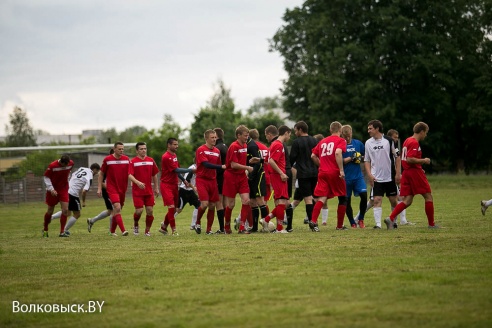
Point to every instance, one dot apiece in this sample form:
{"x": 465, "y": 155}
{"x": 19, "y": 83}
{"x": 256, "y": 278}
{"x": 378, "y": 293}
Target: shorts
{"x": 330, "y": 185}
{"x": 207, "y": 190}
{"x": 297, "y": 195}
{"x": 170, "y": 195}
{"x": 140, "y": 201}
{"x": 306, "y": 187}
{"x": 117, "y": 198}
{"x": 280, "y": 188}
{"x": 188, "y": 197}
{"x": 74, "y": 203}
{"x": 388, "y": 188}
{"x": 356, "y": 186}
{"x": 257, "y": 186}
{"x": 107, "y": 201}
{"x": 51, "y": 200}
{"x": 235, "y": 184}
{"x": 414, "y": 182}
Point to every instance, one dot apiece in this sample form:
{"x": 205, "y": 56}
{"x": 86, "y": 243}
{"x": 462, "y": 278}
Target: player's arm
{"x": 100, "y": 178}
{"x": 211, "y": 166}
{"x": 155, "y": 180}
{"x": 237, "y": 166}
{"x": 315, "y": 159}
{"x": 339, "y": 160}
{"x": 275, "y": 167}
{"x": 180, "y": 170}
{"x": 134, "y": 180}
{"x": 370, "y": 177}
{"x": 414, "y": 160}
{"x": 347, "y": 159}
{"x": 396, "y": 154}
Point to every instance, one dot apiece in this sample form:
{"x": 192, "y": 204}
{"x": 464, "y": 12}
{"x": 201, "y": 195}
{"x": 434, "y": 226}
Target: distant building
{"x": 67, "y": 139}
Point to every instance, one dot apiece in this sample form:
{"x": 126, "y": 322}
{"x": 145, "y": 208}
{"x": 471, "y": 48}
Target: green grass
{"x": 410, "y": 277}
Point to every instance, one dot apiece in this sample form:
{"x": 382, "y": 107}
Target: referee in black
{"x": 307, "y": 171}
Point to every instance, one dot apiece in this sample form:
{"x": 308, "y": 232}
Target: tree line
{"x": 355, "y": 60}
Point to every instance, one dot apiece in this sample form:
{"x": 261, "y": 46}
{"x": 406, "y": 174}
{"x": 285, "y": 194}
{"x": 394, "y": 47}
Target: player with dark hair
{"x": 56, "y": 182}
{"x": 143, "y": 173}
{"x": 170, "y": 172}
{"x": 328, "y": 154}
{"x": 413, "y": 181}
{"x": 207, "y": 164}
{"x": 393, "y": 134}
{"x": 306, "y": 171}
{"x": 222, "y": 147}
{"x": 79, "y": 184}
{"x": 379, "y": 162}
{"x": 279, "y": 178}
{"x": 109, "y": 206}
{"x": 188, "y": 195}
{"x": 115, "y": 168}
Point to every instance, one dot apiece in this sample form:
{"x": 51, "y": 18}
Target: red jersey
{"x": 169, "y": 163}
{"x": 411, "y": 148}
{"x": 266, "y": 155}
{"x": 277, "y": 153}
{"x": 236, "y": 153}
{"x": 205, "y": 154}
{"x": 325, "y": 150}
{"x": 143, "y": 170}
{"x": 59, "y": 175}
{"x": 116, "y": 172}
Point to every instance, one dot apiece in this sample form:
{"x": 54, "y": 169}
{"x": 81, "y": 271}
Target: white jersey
{"x": 192, "y": 181}
{"x": 80, "y": 180}
{"x": 381, "y": 154}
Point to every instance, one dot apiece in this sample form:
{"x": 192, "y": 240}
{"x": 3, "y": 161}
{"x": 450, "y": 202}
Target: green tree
{"x": 262, "y": 113}
{"x": 129, "y": 135}
{"x": 156, "y": 141}
{"x": 219, "y": 112}
{"x": 20, "y": 132}
{"x": 397, "y": 61}
{"x": 35, "y": 162}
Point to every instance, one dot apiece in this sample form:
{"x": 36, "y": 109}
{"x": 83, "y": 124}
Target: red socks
{"x": 316, "y": 210}
{"x": 397, "y": 210}
{"x": 429, "y": 211}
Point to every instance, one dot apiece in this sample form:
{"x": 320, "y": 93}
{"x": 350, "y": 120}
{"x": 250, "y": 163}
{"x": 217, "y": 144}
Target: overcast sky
{"x": 92, "y": 64}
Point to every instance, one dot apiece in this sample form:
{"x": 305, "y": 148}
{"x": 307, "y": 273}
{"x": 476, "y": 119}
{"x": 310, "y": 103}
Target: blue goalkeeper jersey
{"x": 353, "y": 170}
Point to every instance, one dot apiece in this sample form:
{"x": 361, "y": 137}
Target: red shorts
{"x": 414, "y": 182}
{"x": 234, "y": 184}
{"x": 140, "y": 201}
{"x": 207, "y": 190}
{"x": 330, "y": 185}
{"x": 170, "y": 194}
{"x": 117, "y": 198}
{"x": 51, "y": 200}
{"x": 280, "y": 190}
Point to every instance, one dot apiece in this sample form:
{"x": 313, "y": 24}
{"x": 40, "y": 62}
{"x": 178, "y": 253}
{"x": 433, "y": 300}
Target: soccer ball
{"x": 357, "y": 157}
{"x": 271, "y": 225}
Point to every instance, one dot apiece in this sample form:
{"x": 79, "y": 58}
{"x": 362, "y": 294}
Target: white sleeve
{"x": 49, "y": 185}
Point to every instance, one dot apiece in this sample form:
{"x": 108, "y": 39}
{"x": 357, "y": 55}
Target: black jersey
{"x": 300, "y": 155}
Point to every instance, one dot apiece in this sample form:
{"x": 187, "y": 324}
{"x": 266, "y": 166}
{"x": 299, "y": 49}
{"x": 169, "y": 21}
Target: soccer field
{"x": 409, "y": 277}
